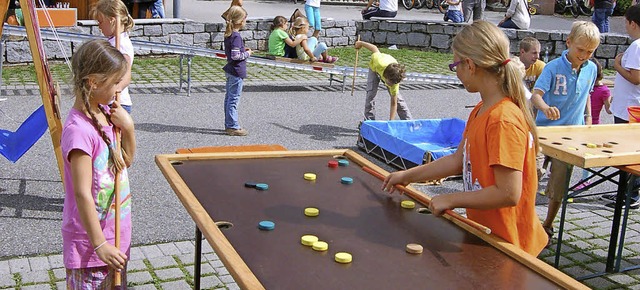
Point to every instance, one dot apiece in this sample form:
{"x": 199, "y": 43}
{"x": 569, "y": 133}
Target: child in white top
{"x": 312, "y": 9}
{"x": 106, "y": 12}
{"x": 454, "y": 11}
{"x": 309, "y": 49}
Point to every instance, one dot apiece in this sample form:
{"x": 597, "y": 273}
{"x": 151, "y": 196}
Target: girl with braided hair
{"x": 90, "y": 163}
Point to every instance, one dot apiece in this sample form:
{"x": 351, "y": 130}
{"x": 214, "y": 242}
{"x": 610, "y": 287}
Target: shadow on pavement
{"x": 21, "y": 202}
{"x": 321, "y": 132}
{"x": 162, "y": 128}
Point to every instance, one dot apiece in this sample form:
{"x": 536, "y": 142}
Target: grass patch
{"x": 154, "y": 69}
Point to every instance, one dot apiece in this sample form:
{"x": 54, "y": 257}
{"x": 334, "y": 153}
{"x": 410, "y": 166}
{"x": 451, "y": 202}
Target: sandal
{"x": 330, "y": 59}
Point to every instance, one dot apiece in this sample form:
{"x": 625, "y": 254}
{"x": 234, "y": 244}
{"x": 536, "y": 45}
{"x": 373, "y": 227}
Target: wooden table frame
{"x": 569, "y": 145}
{"x": 243, "y": 274}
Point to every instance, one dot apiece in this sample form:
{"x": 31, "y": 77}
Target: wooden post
{"x": 116, "y": 188}
{"x": 43, "y": 75}
{"x": 355, "y": 67}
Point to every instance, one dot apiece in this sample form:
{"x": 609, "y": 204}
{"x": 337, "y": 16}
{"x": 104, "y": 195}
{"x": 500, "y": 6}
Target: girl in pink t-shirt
{"x": 600, "y": 97}
{"x": 90, "y": 162}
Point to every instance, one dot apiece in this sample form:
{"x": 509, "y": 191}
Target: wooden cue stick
{"x": 448, "y": 212}
{"x": 355, "y": 67}
{"x": 117, "y": 278}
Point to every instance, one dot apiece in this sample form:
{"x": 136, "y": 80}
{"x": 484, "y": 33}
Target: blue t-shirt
{"x": 567, "y": 89}
{"x": 235, "y": 67}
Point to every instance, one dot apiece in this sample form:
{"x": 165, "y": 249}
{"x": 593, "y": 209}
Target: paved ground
{"x": 299, "y": 114}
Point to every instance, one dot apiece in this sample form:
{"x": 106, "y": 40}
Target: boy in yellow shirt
{"x": 386, "y": 68}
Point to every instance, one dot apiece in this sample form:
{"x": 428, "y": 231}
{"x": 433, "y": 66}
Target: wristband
{"x": 98, "y": 247}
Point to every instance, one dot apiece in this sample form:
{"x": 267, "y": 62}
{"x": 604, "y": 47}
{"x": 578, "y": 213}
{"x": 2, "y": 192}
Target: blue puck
{"x": 343, "y": 162}
{"x": 262, "y": 186}
{"x": 346, "y": 180}
{"x": 266, "y": 225}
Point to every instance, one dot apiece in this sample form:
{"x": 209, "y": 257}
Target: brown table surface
{"x": 358, "y": 218}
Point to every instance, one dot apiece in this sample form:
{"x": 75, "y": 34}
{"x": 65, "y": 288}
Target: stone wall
{"x": 438, "y": 36}
{"x": 434, "y": 36}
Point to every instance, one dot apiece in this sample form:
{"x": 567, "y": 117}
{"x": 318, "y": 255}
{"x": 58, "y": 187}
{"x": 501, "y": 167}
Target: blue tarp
{"x": 14, "y": 144}
{"x": 412, "y": 139}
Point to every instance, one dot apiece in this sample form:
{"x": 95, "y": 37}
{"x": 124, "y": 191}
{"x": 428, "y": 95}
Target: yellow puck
{"x": 408, "y": 204}
{"x": 308, "y": 240}
{"x": 320, "y": 246}
{"x": 311, "y": 211}
{"x": 309, "y": 176}
{"x": 343, "y": 257}
{"x": 591, "y": 145}
{"x": 414, "y": 248}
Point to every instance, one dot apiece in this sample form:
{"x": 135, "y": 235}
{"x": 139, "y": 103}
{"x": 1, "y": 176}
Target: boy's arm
{"x": 369, "y": 46}
{"x": 393, "y": 107}
{"x": 552, "y": 113}
{"x": 588, "y": 119}
{"x": 631, "y": 75}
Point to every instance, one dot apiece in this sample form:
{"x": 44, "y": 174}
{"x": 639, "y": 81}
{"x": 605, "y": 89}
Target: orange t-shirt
{"x": 501, "y": 136}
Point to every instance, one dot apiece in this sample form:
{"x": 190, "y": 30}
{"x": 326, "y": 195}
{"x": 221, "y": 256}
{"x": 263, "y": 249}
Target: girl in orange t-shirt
{"x": 497, "y": 155}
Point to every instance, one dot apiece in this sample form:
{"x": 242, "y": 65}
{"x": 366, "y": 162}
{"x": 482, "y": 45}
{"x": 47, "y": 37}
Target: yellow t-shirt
{"x": 379, "y": 62}
{"x": 532, "y": 74}
{"x": 501, "y": 136}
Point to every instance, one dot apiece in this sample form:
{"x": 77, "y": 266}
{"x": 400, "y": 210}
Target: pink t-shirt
{"x": 79, "y": 133}
{"x": 599, "y": 94}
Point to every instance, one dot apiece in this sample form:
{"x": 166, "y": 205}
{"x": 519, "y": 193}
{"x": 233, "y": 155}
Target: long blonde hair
{"x": 298, "y": 24}
{"x": 236, "y": 15}
{"x": 112, "y": 9}
{"x": 488, "y": 47}
{"x": 99, "y": 60}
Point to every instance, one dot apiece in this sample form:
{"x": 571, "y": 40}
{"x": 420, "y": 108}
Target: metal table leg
{"x": 197, "y": 261}
{"x": 615, "y": 227}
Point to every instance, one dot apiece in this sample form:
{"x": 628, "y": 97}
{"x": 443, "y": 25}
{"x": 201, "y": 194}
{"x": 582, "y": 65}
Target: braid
{"x": 116, "y": 163}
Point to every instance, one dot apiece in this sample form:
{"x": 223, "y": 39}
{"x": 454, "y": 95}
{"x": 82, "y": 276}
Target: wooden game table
{"x": 614, "y": 145}
{"x": 358, "y": 218}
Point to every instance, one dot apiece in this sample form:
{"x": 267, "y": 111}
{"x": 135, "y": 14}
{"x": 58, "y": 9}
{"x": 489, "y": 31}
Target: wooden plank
{"x": 4, "y": 8}
{"x": 616, "y": 144}
{"x": 60, "y": 17}
{"x": 299, "y": 61}
{"x": 240, "y": 271}
{"x": 45, "y": 81}
{"x": 240, "y": 148}
{"x": 632, "y": 169}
